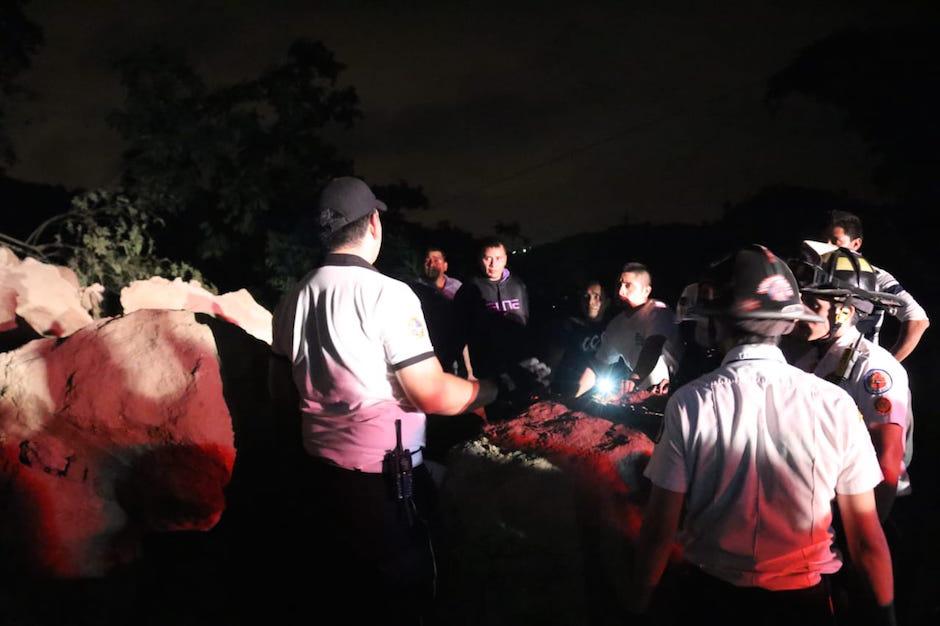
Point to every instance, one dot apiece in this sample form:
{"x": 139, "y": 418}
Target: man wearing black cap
{"x": 357, "y": 348}
{"x": 755, "y": 452}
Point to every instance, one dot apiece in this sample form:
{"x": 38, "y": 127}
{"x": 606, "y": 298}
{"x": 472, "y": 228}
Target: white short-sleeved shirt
{"x": 760, "y": 449}
{"x": 346, "y": 329}
{"x": 909, "y": 309}
{"x": 627, "y": 332}
{"x": 877, "y": 382}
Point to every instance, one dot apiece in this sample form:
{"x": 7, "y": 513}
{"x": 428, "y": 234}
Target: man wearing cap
{"x": 755, "y": 452}
{"x": 845, "y": 230}
{"x": 356, "y": 346}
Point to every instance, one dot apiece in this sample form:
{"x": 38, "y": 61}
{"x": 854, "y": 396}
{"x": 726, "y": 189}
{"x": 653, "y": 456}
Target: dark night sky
{"x": 564, "y": 119}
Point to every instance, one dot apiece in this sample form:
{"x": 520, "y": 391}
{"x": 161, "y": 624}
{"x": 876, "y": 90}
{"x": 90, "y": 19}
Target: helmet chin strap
{"x": 841, "y": 315}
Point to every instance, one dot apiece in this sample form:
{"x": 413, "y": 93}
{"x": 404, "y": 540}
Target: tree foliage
{"x": 232, "y": 169}
{"x": 104, "y": 238}
{"x": 511, "y": 233}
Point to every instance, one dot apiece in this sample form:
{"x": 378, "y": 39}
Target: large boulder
{"x": 115, "y": 431}
{"x": 539, "y": 515}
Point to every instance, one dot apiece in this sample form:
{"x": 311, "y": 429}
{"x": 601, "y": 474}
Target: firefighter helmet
{"x": 840, "y": 274}
{"x": 752, "y": 284}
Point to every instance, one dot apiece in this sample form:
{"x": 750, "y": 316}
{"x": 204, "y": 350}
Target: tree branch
{"x": 22, "y": 247}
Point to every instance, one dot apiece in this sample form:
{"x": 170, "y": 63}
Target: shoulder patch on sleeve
{"x": 883, "y": 405}
{"x": 877, "y": 382}
{"x": 416, "y": 327}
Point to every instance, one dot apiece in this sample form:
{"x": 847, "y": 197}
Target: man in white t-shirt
{"x": 356, "y": 346}
{"x": 845, "y": 230}
{"x": 755, "y": 452}
{"x": 643, "y": 335}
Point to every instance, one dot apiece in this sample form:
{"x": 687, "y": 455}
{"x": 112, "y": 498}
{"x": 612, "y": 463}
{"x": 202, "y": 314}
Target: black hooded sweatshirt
{"x": 492, "y": 316}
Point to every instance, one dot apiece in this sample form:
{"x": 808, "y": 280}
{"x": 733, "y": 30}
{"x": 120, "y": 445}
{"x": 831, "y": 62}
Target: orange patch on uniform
{"x": 883, "y": 405}
{"x": 877, "y": 382}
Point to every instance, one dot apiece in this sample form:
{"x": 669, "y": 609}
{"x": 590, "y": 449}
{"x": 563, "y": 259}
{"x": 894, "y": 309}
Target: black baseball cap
{"x": 343, "y": 201}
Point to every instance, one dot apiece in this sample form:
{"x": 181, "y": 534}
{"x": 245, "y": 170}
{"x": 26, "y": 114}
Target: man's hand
{"x": 636, "y": 397}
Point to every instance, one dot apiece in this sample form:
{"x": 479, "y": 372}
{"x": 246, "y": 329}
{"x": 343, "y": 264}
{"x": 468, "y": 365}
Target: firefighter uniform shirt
{"x": 760, "y": 449}
{"x": 876, "y": 381}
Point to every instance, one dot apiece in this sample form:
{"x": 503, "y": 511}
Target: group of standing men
{"x": 480, "y": 320}
{"x": 753, "y": 452}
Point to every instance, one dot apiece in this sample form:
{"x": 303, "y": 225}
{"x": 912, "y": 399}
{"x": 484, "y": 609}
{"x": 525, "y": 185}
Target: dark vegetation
{"x": 223, "y": 179}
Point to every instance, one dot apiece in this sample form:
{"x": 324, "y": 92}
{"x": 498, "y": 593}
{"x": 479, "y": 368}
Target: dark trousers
{"x": 367, "y": 557}
{"x": 709, "y": 600}
{"x": 905, "y": 540}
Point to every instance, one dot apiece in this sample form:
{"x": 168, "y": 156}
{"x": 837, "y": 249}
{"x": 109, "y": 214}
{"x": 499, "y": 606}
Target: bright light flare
{"x": 605, "y": 385}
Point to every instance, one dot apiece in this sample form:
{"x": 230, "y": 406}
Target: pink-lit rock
{"x": 236, "y": 307}
{"x": 8, "y": 291}
{"x": 597, "y": 449}
{"x": 541, "y": 512}
{"x": 47, "y": 296}
{"x": 7, "y": 304}
{"x": 117, "y": 430}
{"x": 7, "y": 257}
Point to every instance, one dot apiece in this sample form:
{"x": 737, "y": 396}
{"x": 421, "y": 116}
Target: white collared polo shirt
{"x": 346, "y": 329}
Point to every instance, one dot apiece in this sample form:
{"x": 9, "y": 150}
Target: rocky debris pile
{"x": 48, "y": 297}
{"x": 539, "y": 514}
{"x": 52, "y": 302}
{"x": 236, "y": 307}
